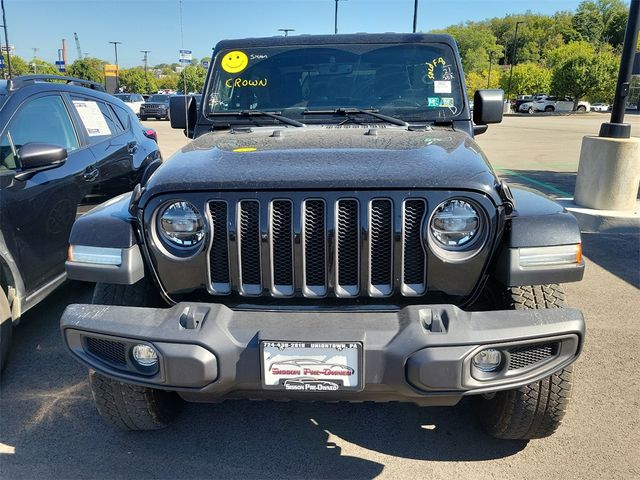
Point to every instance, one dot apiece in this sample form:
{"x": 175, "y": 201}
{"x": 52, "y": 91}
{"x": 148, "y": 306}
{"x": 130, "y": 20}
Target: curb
{"x": 603, "y": 221}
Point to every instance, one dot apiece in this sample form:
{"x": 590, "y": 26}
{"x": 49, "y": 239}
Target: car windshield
{"x": 124, "y": 97}
{"x": 2, "y": 99}
{"x": 158, "y": 99}
{"x": 409, "y": 81}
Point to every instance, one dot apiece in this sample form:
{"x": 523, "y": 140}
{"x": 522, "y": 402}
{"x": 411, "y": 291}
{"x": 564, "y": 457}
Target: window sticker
{"x": 442, "y": 86}
{"x": 447, "y": 102}
{"x": 92, "y": 118}
{"x": 234, "y": 62}
{"x": 433, "y": 102}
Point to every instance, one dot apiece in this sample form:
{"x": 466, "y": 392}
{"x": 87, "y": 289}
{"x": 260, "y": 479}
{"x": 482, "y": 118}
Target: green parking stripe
{"x": 546, "y": 185}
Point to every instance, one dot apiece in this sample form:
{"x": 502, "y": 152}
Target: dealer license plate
{"x": 311, "y": 366}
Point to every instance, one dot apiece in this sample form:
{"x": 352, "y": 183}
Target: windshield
{"x": 410, "y": 81}
{"x": 2, "y": 99}
{"x": 158, "y": 99}
{"x": 123, "y": 97}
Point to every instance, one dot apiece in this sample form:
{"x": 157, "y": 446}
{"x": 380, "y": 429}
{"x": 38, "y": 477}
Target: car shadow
{"x": 50, "y": 424}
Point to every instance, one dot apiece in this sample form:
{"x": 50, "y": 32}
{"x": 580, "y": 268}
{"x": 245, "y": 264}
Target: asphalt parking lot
{"x": 49, "y": 427}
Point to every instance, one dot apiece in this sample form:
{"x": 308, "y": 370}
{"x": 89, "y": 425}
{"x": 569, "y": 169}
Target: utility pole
{"x": 415, "y": 15}
{"x": 35, "y": 57}
{"x": 6, "y": 37}
{"x": 490, "y": 62}
{"x": 286, "y": 31}
{"x": 146, "y": 79}
{"x": 1, "y": 54}
{"x": 335, "y": 27}
{"x": 513, "y": 58}
{"x": 115, "y": 47}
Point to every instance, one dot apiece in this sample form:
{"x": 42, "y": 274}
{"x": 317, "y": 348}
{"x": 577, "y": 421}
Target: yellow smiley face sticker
{"x": 234, "y": 62}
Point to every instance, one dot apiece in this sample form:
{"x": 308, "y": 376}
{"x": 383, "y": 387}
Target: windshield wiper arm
{"x": 260, "y": 113}
{"x": 354, "y": 111}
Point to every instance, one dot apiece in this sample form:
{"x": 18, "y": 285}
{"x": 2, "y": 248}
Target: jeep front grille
{"x": 314, "y": 247}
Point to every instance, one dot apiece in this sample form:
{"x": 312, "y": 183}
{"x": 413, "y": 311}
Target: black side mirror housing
{"x": 488, "y": 107}
{"x": 183, "y": 113}
{"x": 34, "y": 157}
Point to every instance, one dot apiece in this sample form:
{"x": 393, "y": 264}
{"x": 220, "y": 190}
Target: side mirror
{"x": 34, "y": 157}
{"x": 487, "y": 108}
{"x": 183, "y": 113}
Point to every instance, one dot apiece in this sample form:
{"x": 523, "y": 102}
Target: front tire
{"x": 123, "y": 405}
{"x": 535, "y": 410}
{"x": 549, "y": 109}
{"x": 6, "y": 330}
{"x": 581, "y": 108}
{"x": 143, "y": 118}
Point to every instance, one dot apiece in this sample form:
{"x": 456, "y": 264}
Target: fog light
{"x": 487, "y": 360}
{"x": 145, "y": 355}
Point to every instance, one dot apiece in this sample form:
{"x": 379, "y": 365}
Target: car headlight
{"x": 180, "y": 224}
{"x": 455, "y": 223}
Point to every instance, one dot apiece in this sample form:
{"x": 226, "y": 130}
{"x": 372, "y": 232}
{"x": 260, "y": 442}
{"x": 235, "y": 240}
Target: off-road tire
{"x": 530, "y": 110}
{"x": 549, "y": 109}
{"x": 126, "y": 406}
{"x": 581, "y": 108}
{"x": 132, "y": 407}
{"x": 535, "y": 410}
{"x": 143, "y": 118}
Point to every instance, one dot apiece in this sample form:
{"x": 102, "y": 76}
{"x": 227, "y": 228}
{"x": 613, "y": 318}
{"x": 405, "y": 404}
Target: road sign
{"x": 60, "y": 65}
{"x": 185, "y": 56}
{"x": 2, "y": 62}
{"x": 205, "y": 64}
{"x": 111, "y": 70}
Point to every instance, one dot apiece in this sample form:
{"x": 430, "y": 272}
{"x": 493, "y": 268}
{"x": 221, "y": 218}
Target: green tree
{"x": 475, "y": 41}
{"x": 601, "y": 21}
{"x": 135, "y": 80}
{"x": 587, "y": 74}
{"x": 88, "y": 69}
{"x": 480, "y": 80}
{"x": 192, "y": 79}
{"x": 528, "y": 79}
{"x": 168, "y": 82}
{"x": 19, "y": 66}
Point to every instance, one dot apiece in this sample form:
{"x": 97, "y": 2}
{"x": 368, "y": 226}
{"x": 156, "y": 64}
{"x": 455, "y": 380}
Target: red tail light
{"x": 151, "y": 133}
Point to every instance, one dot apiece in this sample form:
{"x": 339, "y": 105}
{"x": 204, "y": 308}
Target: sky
{"x": 155, "y": 24}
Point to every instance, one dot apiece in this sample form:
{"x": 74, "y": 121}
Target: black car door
{"x": 38, "y": 212}
{"x": 112, "y": 145}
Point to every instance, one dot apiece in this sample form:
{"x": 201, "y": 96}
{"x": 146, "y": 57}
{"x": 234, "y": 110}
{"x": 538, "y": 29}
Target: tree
{"x": 192, "y": 79}
{"x": 475, "y": 41}
{"x": 19, "y": 66}
{"x": 479, "y": 80}
{"x": 88, "y": 69}
{"x": 168, "y": 82}
{"x": 134, "y": 80}
{"x": 601, "y": 21}
{"x": 587, "y": 74}
{"x": 528, "y": 79}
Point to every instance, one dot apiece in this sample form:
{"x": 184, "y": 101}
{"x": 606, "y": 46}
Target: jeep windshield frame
{"x": 414, "y": 82}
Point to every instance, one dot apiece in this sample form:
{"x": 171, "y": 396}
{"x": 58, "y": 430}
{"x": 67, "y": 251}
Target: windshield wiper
{"x": 260, "y": 113}
{"x": 357, "y": 111}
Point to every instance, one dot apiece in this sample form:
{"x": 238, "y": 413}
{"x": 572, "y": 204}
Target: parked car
{"x": 157, "y": 106}
{"x": 555, "y": 104}
{"x": 600, "y": 107}
{"x": 132, "y": 100}
{"x": 63, "y": 149}
{"x": 365, "y": 228}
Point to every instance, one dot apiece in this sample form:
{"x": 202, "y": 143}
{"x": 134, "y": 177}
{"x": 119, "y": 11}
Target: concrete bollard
{"x": 609, "y": 173}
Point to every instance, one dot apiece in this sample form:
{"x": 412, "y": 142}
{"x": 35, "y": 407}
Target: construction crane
{"x": 78, "y": 49}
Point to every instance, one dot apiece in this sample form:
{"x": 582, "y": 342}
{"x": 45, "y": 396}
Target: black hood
{"x": 326, "y": 158}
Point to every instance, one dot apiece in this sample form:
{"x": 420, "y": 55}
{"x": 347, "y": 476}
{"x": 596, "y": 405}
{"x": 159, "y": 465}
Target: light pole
{"x": 335, "y": 28}
{"x": 490, "y": 62}
{"x": 1, "y": 54}
{"x": 146, "y": 80}
{"x": 286, "y": 31}
{"x": 513, "y": 58}
{"x": 616, "y": 128}
{"x": 415, "y": 15}
{"x": 115, "y": 47}
{"x": 6, "y": 37}
{"x": 35, "y": 57}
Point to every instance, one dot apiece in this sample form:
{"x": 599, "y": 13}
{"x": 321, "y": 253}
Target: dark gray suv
{"x": 156, "y": 106}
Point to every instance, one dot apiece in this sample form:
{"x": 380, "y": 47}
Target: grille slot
{"x": 381, "y": 247}
{"x": 315, "y": 248}
{"x": 347, "y": 248}
{"x": 107, "y": 350}
{"x": 282, "y": 247}
{"x": 521, "y": 357}
{"x": 332, "y": 245}
{"x": 219, "y": 261}
{"x": 414, "y": 262}
{"x": 249, "y": 246}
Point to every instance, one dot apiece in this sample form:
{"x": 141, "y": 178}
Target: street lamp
{"x": 286, "y": 31}
{"x": 146, "y": 80}
{"x": 115, "y": 47}
{"x": 415, "y": 15}
{"x": 6, "y": 37}
{"x": 335, "y": 28}
{"x": 513, "y": 58}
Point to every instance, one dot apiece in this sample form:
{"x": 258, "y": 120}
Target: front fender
{"x": 103, "y": 245}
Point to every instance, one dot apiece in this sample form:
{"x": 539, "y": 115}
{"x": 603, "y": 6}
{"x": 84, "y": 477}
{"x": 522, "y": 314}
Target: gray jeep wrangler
{"x": 332, "y": 233}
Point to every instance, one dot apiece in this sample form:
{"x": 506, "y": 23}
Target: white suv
{"x": 559, "y": 104}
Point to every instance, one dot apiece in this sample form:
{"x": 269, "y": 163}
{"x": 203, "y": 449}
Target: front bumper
{"x": 420, "y": 354}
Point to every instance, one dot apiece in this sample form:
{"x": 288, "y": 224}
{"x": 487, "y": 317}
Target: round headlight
{"x": 455, "y": 224}
{"x": 181, "y": 224}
